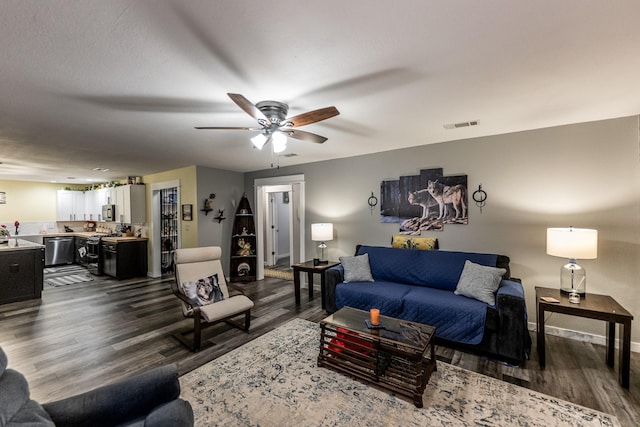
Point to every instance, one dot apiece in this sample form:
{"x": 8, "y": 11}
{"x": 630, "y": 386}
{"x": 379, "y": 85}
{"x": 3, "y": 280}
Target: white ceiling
{"x": 120, "y": 84}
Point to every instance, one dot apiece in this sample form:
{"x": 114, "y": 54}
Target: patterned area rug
{"x": 274, "y": 381}
{"x": 278, "y": 274}
{"x": 66, "y": 275}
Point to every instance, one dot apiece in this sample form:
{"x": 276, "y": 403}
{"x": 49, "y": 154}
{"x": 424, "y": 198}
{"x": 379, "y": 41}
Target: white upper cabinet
{"x": 130, "y": 201}
{"x": 71, "y": 206}
{"x": 131, "y": 204}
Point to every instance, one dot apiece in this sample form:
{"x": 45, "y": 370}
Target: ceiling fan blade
{"x": 305, "y": 136}
{"x": 311, "y": 117}
{"x": 249, "y": 108}
{"x": 227, "y": 128}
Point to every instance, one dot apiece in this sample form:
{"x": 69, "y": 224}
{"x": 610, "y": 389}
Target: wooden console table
{"x": 310, "y": 269}
{"x": 592, "y": 306}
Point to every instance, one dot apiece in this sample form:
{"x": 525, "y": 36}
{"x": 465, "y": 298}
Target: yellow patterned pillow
{"x": 412, "y": 242}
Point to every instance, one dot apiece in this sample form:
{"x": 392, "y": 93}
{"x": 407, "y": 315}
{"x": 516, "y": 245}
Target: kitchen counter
{"x": 21, "y": 270}
{"x": 124, "y": 239}
{"x": 93, "y": 233}
{"x": 18, "y": 244}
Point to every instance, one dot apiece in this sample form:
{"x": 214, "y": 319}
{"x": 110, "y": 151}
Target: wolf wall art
{"x": 426, "y": 201}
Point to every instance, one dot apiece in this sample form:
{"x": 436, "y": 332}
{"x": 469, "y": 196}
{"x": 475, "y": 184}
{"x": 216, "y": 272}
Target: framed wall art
{"x": 186, "y": 212}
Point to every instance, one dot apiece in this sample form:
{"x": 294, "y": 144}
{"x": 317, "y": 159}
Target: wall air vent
{"x": 462, "y": 124}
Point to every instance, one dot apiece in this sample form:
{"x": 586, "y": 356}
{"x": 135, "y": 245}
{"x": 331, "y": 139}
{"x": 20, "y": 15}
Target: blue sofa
{"x": 419, "y": 286}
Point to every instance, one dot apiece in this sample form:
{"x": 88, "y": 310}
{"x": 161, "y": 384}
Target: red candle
{"x": 374, "y": 316}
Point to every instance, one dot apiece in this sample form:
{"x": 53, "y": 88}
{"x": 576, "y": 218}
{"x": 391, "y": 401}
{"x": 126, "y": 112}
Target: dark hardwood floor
{"x": 84, "y": 335}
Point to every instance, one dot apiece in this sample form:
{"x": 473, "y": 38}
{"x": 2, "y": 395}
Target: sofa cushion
{"x": 436, "y": 269}
{"x": 455, "y": 318}
{"x": 386, "y": 296}
{"x": 479, "y": 282}
{"x": 413, "y": 242}
{"x": 356, "y": 268}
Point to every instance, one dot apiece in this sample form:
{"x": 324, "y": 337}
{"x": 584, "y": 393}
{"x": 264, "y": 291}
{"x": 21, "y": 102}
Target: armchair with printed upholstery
{"x": 203, "y": 290}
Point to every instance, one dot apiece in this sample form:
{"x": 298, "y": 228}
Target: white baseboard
{"x": 581, "y": 336}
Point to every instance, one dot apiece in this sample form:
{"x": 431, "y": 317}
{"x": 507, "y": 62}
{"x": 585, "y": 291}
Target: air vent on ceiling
{"x": 288, "y": 155}
{"x": 461, "y": 124}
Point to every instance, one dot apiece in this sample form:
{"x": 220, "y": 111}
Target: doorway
{"x": 278, "y": 243}
{"x": 270, "y": 208}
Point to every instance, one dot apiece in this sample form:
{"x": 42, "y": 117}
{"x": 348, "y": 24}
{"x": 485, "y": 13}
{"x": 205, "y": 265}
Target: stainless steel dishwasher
{"x": 59, "y": 250}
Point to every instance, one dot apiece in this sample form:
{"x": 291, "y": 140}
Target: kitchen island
{"x": 21, "y": 270}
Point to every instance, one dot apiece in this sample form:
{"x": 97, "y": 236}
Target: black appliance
{"x": 109, "y": 257}
{"x": 94, "y": 264}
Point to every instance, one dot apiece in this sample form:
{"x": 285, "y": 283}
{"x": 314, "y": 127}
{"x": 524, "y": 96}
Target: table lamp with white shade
{"x": 574, "y": 244}
{"x": 322, "y": 232}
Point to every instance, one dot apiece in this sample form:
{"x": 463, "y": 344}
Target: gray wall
{"x": 584, "y": 175}
{"x": 228, "y": 188}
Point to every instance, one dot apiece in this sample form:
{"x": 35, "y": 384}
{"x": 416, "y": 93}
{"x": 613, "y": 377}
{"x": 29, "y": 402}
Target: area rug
{"x": 64, "y": 275}
{"x": 278, "y": 274}
{"x": 274, "y": 381}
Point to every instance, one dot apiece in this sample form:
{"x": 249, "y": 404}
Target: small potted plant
{"x": 4, "y": 234}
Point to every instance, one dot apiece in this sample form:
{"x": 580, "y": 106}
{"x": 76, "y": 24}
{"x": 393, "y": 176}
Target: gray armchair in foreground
{"x": 148, "y": 399}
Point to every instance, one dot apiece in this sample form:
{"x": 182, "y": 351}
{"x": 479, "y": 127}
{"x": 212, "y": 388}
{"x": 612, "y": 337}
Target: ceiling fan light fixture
{"x": 279, "y": 142}
{"x": 259, "y": 140}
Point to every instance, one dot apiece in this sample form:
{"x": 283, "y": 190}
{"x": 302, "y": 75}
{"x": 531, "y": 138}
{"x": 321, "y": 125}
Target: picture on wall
{"x": 3, "y": 198}
{"x": 424, "y": 202}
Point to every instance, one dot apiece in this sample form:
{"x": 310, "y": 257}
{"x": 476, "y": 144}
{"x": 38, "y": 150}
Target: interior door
{"x": 271, "y": 248}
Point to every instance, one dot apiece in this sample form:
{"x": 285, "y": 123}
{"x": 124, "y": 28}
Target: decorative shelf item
{"x": 207, "y": 205}
{"x": 243, "y": 244}
{"x": 220, "y": 216}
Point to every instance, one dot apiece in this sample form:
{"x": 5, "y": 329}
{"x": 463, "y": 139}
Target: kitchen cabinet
{"x": 92, "y": 205}
{"x": 21, "y": 272}
{"x": 124, "y": 259}
{"x": 71, "y": 206}
{"x": 131, "y": 204}
{"x": 130, "y": 201}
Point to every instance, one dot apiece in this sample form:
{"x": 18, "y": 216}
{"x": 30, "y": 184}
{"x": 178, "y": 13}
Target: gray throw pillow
{"x": 479, "y": 282}
{"x": 356, "y": 268}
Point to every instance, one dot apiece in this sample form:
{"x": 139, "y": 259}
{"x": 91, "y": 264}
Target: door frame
{"x": 293, "y": 184}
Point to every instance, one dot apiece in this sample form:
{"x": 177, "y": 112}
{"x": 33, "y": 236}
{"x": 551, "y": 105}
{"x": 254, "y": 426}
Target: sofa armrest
{"x": 333, "y": 277}
{"x": 513, "y": 340}
{"x": 114, "y": 404}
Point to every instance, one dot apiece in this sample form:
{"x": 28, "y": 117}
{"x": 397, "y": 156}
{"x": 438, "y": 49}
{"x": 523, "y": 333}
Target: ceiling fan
{"x": 275, "y": 126}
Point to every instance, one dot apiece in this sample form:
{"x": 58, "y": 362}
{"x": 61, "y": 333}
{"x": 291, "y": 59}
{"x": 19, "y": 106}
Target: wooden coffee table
{"x": 399, "y": 357}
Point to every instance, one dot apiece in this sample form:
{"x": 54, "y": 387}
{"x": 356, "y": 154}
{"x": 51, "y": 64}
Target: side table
{"x": 593, "y": 306}
{"x": 310, "y": 269}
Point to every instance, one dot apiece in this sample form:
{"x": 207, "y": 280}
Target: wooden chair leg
{"x": 196, "y": 331}
{"x": 247, "y": 319}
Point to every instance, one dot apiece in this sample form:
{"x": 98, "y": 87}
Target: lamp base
{"x": 325, "y": 262}
{"x": 570, "y": 291}
{"x": 573, "y": 278}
